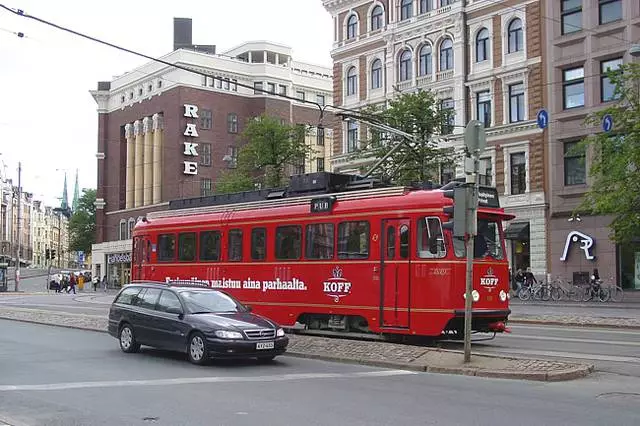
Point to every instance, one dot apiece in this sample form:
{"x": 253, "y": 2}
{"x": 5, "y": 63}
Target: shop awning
{"x": 517, "y": 231}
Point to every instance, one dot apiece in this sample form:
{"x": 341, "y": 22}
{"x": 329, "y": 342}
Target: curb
{"x": 563, "y": 375}
{"x": 575, "y": 324}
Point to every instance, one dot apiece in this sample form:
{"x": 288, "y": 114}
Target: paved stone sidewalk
{"x": 577, "y": 320}
{"x": 381, "y": 354}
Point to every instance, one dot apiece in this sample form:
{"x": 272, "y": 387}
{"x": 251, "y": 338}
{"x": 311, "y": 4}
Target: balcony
{"x": 444, "y": 75}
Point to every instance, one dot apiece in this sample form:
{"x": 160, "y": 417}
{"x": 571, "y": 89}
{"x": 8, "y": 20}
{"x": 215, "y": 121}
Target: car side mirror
{"x": 174, "y": 310}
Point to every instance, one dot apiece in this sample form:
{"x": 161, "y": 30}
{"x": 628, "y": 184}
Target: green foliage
{"x": 82, "y": 225}
{"x": 615, "y": 159}
{"x": 271, "y": 147}
{"x": 419, "y": 114}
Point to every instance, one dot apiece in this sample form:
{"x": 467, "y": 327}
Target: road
{"x": 614, "y": 351}
{"x": 58, "y": 376}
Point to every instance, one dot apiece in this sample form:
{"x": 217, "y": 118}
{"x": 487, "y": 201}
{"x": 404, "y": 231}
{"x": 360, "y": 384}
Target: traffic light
{"x": 53, "y": 253}
{"x": 47, "y": 254}
{"x": 457, "y": 212}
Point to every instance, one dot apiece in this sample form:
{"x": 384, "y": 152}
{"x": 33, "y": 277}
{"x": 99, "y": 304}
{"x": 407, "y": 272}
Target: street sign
{"x": 475, "y": 137}
{"x": 543, "y": 118}
{"x": 607, "y": 123}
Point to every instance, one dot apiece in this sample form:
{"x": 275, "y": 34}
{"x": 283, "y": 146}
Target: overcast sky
{"x": 48, "y": 119}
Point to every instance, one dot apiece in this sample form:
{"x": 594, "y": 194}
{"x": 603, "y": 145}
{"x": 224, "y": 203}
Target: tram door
{"x": 395, "y": 272}
{"x": 138, "y": 249}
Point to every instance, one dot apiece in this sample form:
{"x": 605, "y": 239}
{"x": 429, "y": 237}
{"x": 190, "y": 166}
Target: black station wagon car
{"x": 203, "y": 322}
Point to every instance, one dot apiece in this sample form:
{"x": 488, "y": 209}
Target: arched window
{"x": 376, "y": 74}
{"x": 515, "y": 36}
{"x": 123, "y": 229}
{"x": 482, "y": 45}
{"x": 406, "y": 9}
{"x": 377, "y": 18}
{"x": 426, "y": 6}
{"x": 405, "y": 66}
{"x": 352, "y": 27}
{"x": 132, "y": 223}
{"x": 425, "y": 60}
{"x": 446, "y": 54}
{"x": 352, "y": 81}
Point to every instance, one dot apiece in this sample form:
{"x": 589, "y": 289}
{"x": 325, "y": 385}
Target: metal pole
{"x": 18, "y": 246}
{"x": 472, "y": 230}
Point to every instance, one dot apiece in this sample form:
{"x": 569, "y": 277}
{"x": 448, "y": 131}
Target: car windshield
{"x": 210, "y": 301}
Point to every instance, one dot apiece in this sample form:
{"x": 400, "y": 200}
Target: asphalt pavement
{"x": 57, "y": 376}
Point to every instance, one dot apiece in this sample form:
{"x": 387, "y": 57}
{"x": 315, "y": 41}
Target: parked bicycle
{"x": 562, "y": 289}
{"x": 595, "y": 290}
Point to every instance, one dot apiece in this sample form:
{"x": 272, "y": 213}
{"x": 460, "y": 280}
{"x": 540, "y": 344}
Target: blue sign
{"x": 607, "y": 123}
{"x": 80, "y": 257}
{"x": 543, "y": 118}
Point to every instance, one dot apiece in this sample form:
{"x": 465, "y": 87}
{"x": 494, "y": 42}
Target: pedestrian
{"x": 72, "y": 283}
{"x": 96, "y": 283}
{"x": 519, "y": 279}
{"x": 105, "y": 283}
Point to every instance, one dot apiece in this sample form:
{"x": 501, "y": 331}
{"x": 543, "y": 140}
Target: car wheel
{"x": 127, "y": 338}
{"x": 266, "y": 359}
{"x": 197, "y": 350}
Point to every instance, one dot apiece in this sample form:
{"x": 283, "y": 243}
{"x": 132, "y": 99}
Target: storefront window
{"x": 629, "y": 266}
{"x": 118, "y": 269}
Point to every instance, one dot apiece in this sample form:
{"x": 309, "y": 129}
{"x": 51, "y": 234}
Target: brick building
{"x": 166, "y": 133}
{"x": 482, "y": 58}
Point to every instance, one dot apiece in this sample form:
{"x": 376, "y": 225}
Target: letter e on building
{"x": 190, "y": 168}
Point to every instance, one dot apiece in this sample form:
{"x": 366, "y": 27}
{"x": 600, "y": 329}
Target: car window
{"x": 127, "y": 296}
{"x": 210, "y": 301}
{"x": 168, "y": 300}
{"x": 149, "y": 298}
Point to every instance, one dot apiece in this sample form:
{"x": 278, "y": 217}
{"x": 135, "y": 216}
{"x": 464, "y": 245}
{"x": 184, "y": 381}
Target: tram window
{"x": 148, "y": 253}
{"x": 319, "y": 241}
{"x": 353, "y": 240}
{"x": 166, "y": 247}
{"x": 486, "y": 244}
{"x": 404, "y": 242}
{"x": 288, "y": 242}
{"x": 430, "y": 238}
{"x": 258, "y": 243}
{"x": 187, "y": 247}
{"x": 210, "y": 246}
{"x": 391, "y": 242}
{"x": 235, "y": 245}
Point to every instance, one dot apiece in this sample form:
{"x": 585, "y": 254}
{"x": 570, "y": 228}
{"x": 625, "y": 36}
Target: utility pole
{"x": 475, "y": 142}
{"x": 18, "y": 246}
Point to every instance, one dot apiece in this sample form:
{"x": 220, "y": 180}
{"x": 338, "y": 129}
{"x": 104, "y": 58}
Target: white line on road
{"x": 44, "y": 305}
{"x": 572, "y": 340}
{"x": 573, "y": 355}
{"x": 574, "y": 329}
{"x": 200, "y": 380}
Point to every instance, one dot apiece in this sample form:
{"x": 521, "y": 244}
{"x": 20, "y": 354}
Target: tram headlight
{"x": 475, "y": 295}
{"x": 503, "y": 296}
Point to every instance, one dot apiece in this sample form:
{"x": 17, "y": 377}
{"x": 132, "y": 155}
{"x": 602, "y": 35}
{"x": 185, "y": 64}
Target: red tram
{"x": 369, "y": 260}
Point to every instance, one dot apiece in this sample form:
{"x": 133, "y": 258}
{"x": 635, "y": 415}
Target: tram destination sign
{"x": 322, "y": 205}
{"x": 488, "y": 197}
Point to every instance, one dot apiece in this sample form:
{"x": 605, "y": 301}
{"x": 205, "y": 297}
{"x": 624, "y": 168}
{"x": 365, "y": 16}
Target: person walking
{"x": 72, "y": 283}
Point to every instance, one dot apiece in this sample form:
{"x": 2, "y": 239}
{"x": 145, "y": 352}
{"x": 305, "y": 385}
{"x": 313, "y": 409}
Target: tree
{"x": 82, "y": 225}
{"x": 421, "y": 115}
{"x": 615, "y": 158}
{"x": 271, "y": 147}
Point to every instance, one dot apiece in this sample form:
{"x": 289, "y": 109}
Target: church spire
{"x": 76, "y": 194}
{"x": 64, "y": 204}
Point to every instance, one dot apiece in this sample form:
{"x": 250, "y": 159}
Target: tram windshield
{"x": 486, "y": 244}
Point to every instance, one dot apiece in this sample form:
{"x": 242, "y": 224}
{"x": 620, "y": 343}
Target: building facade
{"x": 10, "y": 235}
{"x": 50, "y": 231}
{"x": 584, "y": 39}
{"x": 167, "y": 133}
{"x": 483, "y": 59}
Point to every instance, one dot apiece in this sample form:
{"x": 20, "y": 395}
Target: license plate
{"x": 264, "y": 345}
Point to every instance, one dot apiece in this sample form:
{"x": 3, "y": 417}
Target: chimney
{"x": 182, "y": 33}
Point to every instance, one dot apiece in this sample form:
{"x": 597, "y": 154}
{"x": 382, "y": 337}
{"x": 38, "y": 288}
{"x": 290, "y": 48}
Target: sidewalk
{"x": 382, "y": 354}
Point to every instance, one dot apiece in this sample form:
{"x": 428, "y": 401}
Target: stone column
{"x": 148, "y": 160}
{"x": 139, "y": 161}
{"x": 129, "y": 165}
{"x": 157, "y": 158}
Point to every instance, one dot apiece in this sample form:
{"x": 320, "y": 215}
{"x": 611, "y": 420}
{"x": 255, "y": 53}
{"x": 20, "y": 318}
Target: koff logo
{"x": 489, "y": 279}
{"x": 337, "y": 286}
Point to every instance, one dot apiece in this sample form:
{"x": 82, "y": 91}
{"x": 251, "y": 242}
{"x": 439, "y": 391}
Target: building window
{"x": 320, "y": 136}
{"x": 405, "y": 65}
{"x": 205, "y": 154}
{"x": 426, "y": 6}
{"x": 219, "y": 83}
{"x": 610, "y": 11}
{"x": 320, "y": 100}
{"x": 376, "y": 74}
{"x": 206, "y": 119}
{"x": 425, "y": 60}
{"x": 271, "y": 88}
{"x": 447, "y": 126}
{"x": 573, "y": 88}
{"x": 300, "y": 95}
{"x": 234, "y": 85}
{"x": 320, "y": 164}
{"x": 377, "y": 18}
{"x": 352, "y": 136}
{"x": 571, "y": 20}
{"x": 486, "y": 175}
{"x": 283, "y": 90}
{"x": 205, "y": 187}
{"x": 123, "y": 229}
{"x": 288, "y": 242}
{"x": 132, "y": 223}
{"x": 518, "y": 173}
{"x": 227, "y": 85}
{"x": 575, "y": 172}
{"x": 446, "y": 55}
{"x": 257, "y": 88}
{"x": 319, "y": 241}
{"x": 352, "y": 81}
{"x": 299, "y": 168}
{"x": 232, "y": 123}
{"x": 482, "y": 45}
{"x": 607, "y": 88}
{"x": 160, "y": 84}
{"x": 352, "y": 26}
{"x": 515, "y": 36}
{"x": 233, "y": 157}
{"x": 516, "y": 102}
{"x": 406, "y": 9}
{"x": 483, "y": 107}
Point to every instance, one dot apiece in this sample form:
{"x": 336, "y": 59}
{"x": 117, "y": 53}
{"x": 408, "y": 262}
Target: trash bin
{"x": 3, "y": 276}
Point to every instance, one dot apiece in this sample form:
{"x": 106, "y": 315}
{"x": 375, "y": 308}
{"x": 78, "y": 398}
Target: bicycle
{"x": 595, "y": 290}
{"x": 616, "y": 294}
{"x": 559, "y": 291}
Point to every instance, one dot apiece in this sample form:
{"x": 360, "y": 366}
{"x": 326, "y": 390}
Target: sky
{"x": 48, "y": 119}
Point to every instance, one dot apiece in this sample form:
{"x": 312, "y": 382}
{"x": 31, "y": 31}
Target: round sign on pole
{"x": 543, "y": 118}
{"x": 607, "y": 123}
